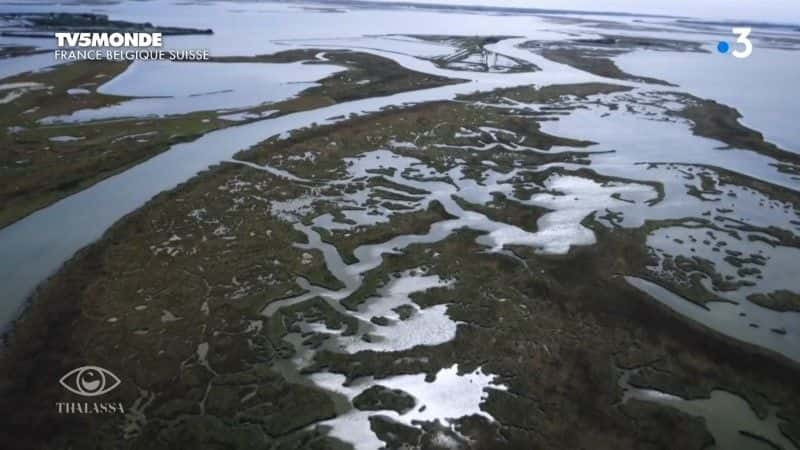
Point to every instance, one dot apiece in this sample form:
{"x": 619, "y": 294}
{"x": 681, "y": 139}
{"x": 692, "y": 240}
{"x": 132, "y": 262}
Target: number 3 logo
{"x": 743, "y": 34}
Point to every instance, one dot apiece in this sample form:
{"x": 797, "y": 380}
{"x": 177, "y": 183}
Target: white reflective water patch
{"x": 449, "y": 396}
{"x": 574, "y": 199}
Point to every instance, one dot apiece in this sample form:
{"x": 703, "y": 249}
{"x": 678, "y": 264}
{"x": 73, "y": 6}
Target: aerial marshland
{"x": 501, "y": 237}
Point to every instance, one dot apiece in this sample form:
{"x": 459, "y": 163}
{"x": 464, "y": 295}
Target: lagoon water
{"x": 762, "y": 87}
{"x": 168, "y": 88}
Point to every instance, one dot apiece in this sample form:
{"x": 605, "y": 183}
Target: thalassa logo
{"x": 89, "y": 381}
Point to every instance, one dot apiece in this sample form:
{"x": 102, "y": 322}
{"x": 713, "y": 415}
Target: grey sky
{"x": 755, "y": 10}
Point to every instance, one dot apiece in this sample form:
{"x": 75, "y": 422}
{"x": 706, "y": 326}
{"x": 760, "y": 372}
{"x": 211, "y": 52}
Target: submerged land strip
{"x": 39, "y": 25}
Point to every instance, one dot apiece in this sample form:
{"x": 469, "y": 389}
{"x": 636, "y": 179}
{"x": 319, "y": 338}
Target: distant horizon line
{"x": 434, "y": 5}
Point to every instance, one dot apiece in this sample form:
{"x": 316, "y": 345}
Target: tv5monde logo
{"x": 89, "y": 382}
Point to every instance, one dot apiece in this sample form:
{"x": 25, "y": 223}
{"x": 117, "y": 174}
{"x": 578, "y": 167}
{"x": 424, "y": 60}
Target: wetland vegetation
{"x": 185, "y": 301}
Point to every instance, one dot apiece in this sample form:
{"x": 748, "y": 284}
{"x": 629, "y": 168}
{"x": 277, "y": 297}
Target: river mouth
{"x": 382, "y": 235}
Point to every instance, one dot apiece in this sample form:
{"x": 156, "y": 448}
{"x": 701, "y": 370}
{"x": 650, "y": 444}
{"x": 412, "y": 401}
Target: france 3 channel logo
{"x": 743, "y": 39}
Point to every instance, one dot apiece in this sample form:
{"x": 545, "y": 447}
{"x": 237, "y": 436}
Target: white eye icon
{"x": 89, "y": 381}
